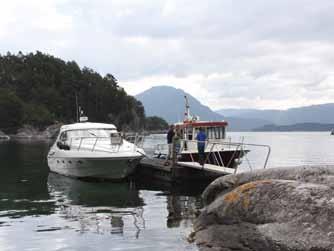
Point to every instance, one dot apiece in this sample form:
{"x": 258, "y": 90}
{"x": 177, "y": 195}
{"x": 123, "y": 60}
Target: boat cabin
{"x": 213, "y": 130}
{"x": 77, "y": 133}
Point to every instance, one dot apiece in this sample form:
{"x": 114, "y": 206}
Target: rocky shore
{"x": 3, "y": 136}
{"x": 273, "y": 209}
{"x": 30, "y": 132}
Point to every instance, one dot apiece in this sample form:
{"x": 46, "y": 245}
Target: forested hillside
{"x": 39, "y": 89}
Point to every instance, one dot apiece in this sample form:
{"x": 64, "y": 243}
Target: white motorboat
{"x": 93, "y": 150}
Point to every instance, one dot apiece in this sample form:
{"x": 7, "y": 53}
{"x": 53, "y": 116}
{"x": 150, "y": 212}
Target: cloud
{"x": 227, "y": 53}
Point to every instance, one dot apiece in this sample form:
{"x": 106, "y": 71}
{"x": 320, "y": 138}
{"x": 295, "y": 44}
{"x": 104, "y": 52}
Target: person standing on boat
{"x": 176, "y": 144}
{"x": 170, "y": 135}
{"x": 201, "y": 138}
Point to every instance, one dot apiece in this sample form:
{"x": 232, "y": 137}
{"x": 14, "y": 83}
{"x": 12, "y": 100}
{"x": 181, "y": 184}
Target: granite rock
{"x": 273, "y": 209}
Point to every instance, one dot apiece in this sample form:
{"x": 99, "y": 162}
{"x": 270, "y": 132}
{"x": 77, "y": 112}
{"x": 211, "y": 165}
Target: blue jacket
{"x": 201, "y": 137}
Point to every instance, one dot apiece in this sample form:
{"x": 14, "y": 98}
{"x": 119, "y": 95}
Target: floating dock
{"x": 180, "y": 171}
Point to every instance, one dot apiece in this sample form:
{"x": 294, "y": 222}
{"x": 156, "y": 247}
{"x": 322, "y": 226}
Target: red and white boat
{"x": 219, "y": 150}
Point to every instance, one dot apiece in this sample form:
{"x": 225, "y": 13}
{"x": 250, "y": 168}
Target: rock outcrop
{"x": 272, "y": 209}
{"x": 3, "y": 136}
{"x": 51, "y": 131}
{"x": 31, "y": 132}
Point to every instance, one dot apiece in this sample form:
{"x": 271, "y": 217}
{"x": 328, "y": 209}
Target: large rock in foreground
{"x": 273, "y": 209}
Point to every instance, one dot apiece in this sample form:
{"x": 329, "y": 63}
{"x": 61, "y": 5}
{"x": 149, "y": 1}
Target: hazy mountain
{"x": 168, "y": 102}
{"x": 323, "y": 114}
{"x": 244, "y": 124}
{"x": 296, "y": 127}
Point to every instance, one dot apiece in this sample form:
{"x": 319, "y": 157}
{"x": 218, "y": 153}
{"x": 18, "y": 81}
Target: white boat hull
{"x": 100, "y": 168}
{"x": 93, "y": 150}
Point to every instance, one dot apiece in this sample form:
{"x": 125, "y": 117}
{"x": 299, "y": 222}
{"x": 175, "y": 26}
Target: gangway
{"x": 208, "y": 167}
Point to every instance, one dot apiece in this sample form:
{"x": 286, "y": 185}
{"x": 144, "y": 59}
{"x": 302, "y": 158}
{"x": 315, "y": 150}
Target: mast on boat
{"x": 187, "y": 116}
{"x": 80, "y": 113}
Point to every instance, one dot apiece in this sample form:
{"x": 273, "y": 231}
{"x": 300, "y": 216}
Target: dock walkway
{"x": 180, "y": 171}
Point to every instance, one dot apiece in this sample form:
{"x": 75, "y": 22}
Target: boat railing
{"x": 214, "y": 150}
{"x": 89, "y": 143}
{"x": 137, "y": 139}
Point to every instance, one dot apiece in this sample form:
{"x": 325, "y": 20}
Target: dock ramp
{"x": 208, "y": 167}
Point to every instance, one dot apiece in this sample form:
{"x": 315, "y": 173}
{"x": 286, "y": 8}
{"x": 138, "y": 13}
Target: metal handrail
{"x": 136, "y": 139}
{"x": 85, "y": 138}
{"x": 239, "y": 146}
{"x": 78, "y": 146}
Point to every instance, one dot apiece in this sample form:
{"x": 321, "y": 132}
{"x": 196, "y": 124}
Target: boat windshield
{"x": 89, "y": 133}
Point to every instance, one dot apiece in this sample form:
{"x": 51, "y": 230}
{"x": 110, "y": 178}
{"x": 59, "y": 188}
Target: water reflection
{"x": 182, "y": 209}
{"x": 97, "y": 207}
{"x": 183, "y": 200}
{"x": 101, "y": 207}
{"x": 45, "y": 211}
{"x": 23, "y": 188}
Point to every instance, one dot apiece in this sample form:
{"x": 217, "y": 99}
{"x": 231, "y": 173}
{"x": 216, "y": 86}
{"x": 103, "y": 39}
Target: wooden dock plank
{"x": 180, "y": 171}
{"x": 207, "y": 167}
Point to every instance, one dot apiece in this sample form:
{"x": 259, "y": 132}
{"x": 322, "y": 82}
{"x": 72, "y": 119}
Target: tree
{"x": 11, "y": 111}
{"x": 46, "y": 88}
{"x": 155, "y": 123}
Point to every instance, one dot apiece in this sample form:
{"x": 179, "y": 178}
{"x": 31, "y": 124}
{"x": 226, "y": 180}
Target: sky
{"x": 260, "y": 54}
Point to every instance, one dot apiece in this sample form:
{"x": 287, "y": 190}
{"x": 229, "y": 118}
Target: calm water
{"x": 42, "y": 211}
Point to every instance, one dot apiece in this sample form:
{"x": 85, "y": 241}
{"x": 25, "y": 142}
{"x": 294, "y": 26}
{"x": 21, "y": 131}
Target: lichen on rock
{"x": 274, "y": 209}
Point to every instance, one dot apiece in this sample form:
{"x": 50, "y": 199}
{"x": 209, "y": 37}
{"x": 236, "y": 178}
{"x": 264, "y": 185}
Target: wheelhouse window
{"x": 215, "y": 132}
{"x": 188, "y": 132}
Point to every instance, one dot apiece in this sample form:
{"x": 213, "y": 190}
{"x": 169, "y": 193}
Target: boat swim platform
{"x": 180, "y": 171}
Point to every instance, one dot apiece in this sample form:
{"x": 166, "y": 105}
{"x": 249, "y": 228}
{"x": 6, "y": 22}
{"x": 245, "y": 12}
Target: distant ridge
{"x": 168, "y": 102}
{"x": 321, "y": 114}
{"x": 308, "y": 127}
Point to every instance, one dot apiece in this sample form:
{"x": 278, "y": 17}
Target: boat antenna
{"x": 77, "y": 107}
{"x": 187, "y": 116}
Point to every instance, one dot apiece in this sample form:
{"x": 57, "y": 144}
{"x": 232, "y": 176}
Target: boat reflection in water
{"x": 117, "y": 208}
{"x": 97, "y": 207}
{"x": 182, "y": 210}
{"x": 183, "y": 200}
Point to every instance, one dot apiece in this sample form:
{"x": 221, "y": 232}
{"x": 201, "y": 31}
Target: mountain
{"x": 323, "y": 114}
{"x": 168, "y": 103}
{"x": 296, "y": 127}
{"x": 244, "y": 124}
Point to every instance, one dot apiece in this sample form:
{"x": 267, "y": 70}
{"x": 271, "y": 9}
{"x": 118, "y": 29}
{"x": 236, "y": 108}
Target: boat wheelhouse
{"x": 219, "y": 150}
